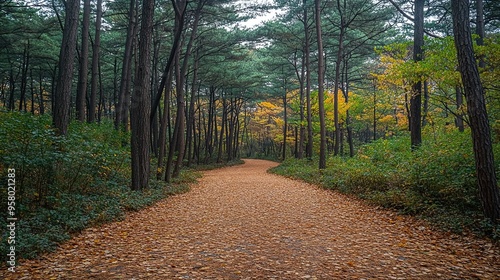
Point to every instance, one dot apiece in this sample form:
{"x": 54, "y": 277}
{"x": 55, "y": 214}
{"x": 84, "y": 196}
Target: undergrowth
{"x": 437, "y": 182}
{"x": 66, "y": 184}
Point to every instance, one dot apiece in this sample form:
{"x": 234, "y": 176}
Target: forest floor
{"x": 241, "y": 222}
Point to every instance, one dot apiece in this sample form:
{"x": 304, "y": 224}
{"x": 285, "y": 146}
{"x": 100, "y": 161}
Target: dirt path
{"x": 243, "y": 223}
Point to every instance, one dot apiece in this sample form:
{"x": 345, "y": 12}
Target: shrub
{"x": 436, "y": 182}
{"x": 65, "y": 184}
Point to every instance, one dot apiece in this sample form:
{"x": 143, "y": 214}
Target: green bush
{"x": 65, "y": 184}
{"x": 436, "y": 182}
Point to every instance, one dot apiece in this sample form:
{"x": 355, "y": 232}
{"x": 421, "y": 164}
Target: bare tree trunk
{"x": 309, "y": 147}
{"x": 480, "y": 28}
{"x": 162, "y": 141}
{"x": 476, "y": 109}
{"x": 141, "y": 103}
{"x": 40, "y": 94}
{"x": 416, "y": 96}
{"x": 123, "y": 94}
{"x": 348, "y": 117}
{"x": 321, "y": 101}
{"x": 180, "y": 8}
{"x": 301, "y": 133}
{"x": 209, "y": 136}
{"x": 24, "y": 76}
{"x": 62, "y": 96}
{"x": 173, "y": 145}
{"x": 223, "y": 124}
{"x": 285, "y": 117}
{"x": 95, "y": 64}
{"x": 374, "y": 112}
{"x": 84, "y": 62}
{"x": 191, "y": 122}
{"x": 459, "y": 120}
{"x": 32, "y": 88}
{"x": 181, "y": 102}
{"x": 426, "y": 103}
{"x": 180, "y": 122}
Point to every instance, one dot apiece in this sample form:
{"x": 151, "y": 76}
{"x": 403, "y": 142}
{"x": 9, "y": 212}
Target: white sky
{"x": 258, "y": 20}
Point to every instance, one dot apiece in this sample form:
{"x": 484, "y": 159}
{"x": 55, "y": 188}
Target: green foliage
{"x": 65, "y": 184}
{"x": 436, "y": 182}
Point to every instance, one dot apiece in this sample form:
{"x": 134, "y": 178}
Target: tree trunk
{"x": 101, "y": 107}
{"x": 476, "y": 109}
{"x": 374, "y": 112}
{"x": 141, "y": 103}
{"x": 162, "y": 141}
{"x": 480, "y": 28}
{"x": 180, "y": 9}
{"x": 62, "y": 96}
{"x": 348, "y": 117}
{"x": 459, "y": 120}
{"x": 191, "y": 122}
{"x": 24, "y": 77}
{"x": 309, "y": 147}
{"x": 155, "y": 126}
{"x": 416, "y": 96}
{"x": 32, "y": 87}
{"x": 95, "y": 64}
{"x": 81, "y": 91}
{"x": 209, "y": 136}
{"x": 321, "y": 73}
{"x": 40, "y": 94}
{"x": 181, "y": 102}
{"x": 180, "y": 120}
{"x": 285, "y": 117}
{"x": 223, "y": 124}
{"x": 173, "y": 144}
{"x": 123, "y": 94}
{"x": 338, "y": 62}
{"x": 426, "y": 104}
{"x": 301, "y": 133}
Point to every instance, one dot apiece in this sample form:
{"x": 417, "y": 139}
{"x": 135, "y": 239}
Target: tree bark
{"x": 141, "y": 103}
{"x": 123, "y": 94}
{"x": 40, "y": 94}
{"x": 480, "y": 28}
{"x": 95, "y": 65}
{"x": 181, "y": 100}
{"x": 309, "y": 147}
{"x": 179, "y": 15}
{"x": 416, "y": 96}
{"x": 321, "y": 73}
{"x": 24, "y": 76}
{"x": 459, "y": 120}
{"x": 285, "y": 117}
{"x": 476, "y": 109}
{"x": 62, "y": 96}
{"x": 84, "y": 62}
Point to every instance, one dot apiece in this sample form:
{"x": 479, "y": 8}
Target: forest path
{"x": 243, "y": 223}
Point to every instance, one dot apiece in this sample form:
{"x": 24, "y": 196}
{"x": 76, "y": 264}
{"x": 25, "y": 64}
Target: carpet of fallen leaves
{"x": 243, "y": 223}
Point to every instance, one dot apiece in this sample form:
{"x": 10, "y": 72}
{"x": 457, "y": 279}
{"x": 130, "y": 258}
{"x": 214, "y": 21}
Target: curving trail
{"x": 243, "y": 223}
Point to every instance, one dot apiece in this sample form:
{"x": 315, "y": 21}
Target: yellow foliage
{"x": 267, "y": 105}
{"x": 386, "y": 119}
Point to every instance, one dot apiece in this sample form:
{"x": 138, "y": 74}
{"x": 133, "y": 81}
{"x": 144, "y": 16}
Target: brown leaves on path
{"x": 243, "y": 223}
